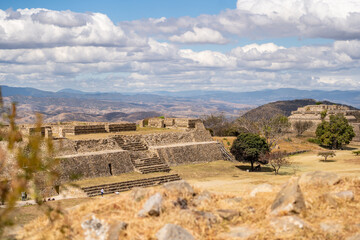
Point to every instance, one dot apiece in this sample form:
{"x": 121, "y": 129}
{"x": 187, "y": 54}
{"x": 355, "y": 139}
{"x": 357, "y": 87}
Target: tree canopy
{"x": 249, "y": 147}
{"x": 335, "y": 133}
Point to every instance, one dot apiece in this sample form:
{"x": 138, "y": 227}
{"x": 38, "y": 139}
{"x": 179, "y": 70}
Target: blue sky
{"x": 126, "y": 10}
{"x": 158, "y": 45}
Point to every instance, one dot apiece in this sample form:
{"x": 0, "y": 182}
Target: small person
{"x": 102, "y": 192}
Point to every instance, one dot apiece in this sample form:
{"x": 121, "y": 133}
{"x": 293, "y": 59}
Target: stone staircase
{"x": 226, "y": 155}
{"x": 128, "y": 185}
{"x": 150, "y": 165}
{"x": 131, "y": 145}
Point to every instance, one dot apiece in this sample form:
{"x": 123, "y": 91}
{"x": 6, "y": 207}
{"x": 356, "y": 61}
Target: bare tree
{"x": 302, "y": 126}
{"x": 327, "y": 154}
{"x": 273, "y": 129}
{"x": 278, "y": 160}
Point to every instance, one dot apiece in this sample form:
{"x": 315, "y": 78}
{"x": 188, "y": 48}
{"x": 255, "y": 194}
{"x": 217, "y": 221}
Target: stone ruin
{"x": 313, "y": 113}
{"x": 122, "y": 153}
{"x": 172, "y": 123}
{"x": 71, "y": 129}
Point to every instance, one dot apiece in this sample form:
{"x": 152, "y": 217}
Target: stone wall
{"x": 95, "y": 164}
{"x": 121, "y": 127}
{"x": 156, "y": 123}
{"x": 189, "y": 153}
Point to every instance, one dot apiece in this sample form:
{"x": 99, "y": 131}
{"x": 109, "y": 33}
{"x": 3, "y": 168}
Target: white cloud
{"x": 295, "y": 9}
{"x": 35, "y": 28}
{"x": 88, "y": 51}
{"x": 199, "y": 35}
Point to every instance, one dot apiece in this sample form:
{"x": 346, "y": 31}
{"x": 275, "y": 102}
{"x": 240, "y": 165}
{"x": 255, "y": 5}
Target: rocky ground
{"x": 316, "y": 205}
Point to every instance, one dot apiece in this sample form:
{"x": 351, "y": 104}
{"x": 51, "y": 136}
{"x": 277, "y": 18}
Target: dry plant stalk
{"x": 31, "y": 169}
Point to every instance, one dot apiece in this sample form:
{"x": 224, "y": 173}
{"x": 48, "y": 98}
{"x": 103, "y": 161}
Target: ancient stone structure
{"x": 173, "y": 122}
{"x": 315, "y": 114}
{"x": 71, "y": 129}
{"x": 144, "y": 153}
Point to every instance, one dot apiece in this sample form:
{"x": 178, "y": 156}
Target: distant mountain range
{"x": 69, "y": 103}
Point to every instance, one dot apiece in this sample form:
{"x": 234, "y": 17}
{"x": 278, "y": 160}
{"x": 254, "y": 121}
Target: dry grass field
{"x": 222, "y": 178}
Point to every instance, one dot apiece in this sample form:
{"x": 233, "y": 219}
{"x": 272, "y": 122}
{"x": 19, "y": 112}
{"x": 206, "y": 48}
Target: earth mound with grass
{"x": 306, "y": 207}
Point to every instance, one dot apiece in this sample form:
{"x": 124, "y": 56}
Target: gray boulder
{"x": 179, "y": 186}
{"x": 95, "y": 229}
{"x": 173, "y": 232}
{"x": 289, "y": 200}
{"x": 287, "y": 224}
{"x": 319, "y": 177}
{"x": 345, "y": 195}
{"x": 152, "y": 206}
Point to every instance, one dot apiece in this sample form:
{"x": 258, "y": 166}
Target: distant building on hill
{"x": 318, "y": 113}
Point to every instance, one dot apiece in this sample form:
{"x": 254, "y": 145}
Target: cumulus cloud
{"x": 35, "y": 28}
{"x": 199, "y": 35}
{"x": 259, "y": 19}
{"x": 88, "y": 51}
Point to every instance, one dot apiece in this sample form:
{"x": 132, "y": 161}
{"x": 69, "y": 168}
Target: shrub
{"x": 327, "y": 154}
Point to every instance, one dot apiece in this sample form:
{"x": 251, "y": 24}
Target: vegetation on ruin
{"x": 249, "y": 147}
{"x": 336, "y": 133}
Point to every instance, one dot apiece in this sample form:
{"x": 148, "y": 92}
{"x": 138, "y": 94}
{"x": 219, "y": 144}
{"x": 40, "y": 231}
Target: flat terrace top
{"x": 139, "y": 131}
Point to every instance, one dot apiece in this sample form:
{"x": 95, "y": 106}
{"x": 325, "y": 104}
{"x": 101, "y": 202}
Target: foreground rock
{"x": 152, "y": 206}
{"x": 262, "y": 188}
{"x": 173, "y": 232}
{"x": 345, "y": 195}
{"x": 203, "y": 197}
{"x": 179, "y": 186}
{"x": 138, "y": 193}
{"x": 115, "y": 230}
{"x": 287, "y": 224}
{"x": 354, "y": 237}
{"x": 227, "y": 214}
{"x": 241, "y": 232}
{"x": 331, "y": 227}
{"x": 319, "y": 177}
{"x": 289, "y": 200}
{"x": 95, "y": 229}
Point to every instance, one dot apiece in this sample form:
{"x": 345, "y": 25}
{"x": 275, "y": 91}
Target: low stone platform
{"x": 128, "y": 185}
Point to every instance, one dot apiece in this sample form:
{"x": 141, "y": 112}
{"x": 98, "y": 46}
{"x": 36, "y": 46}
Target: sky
{"x": 162, "y": 45}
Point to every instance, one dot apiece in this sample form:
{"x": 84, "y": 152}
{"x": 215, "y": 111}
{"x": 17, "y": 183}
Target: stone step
{"x": 128, "y": 185}
{"x": 154, "y": 168}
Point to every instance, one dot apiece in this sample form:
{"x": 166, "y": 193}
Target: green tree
{"x": 335, "y": 133}
{"x": 249, "y": 147}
